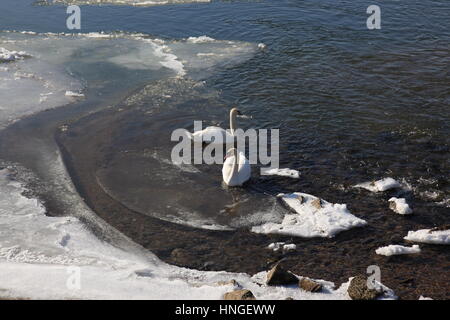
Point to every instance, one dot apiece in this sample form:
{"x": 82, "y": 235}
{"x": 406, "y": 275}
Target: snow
{"x": 380, "y": 185}
{"x": 74, "y": 94}
{"x": 276, "y": 246}
{"x": 309, "y": 220}
{"x": 286, "y": 172}
{"x": 9, "y": 56}
{"x": 392, "y": 250}
{"x": 424, "y": 298}
{"x": 428, "y": 236}
{"x": 201, "y": 39}
{"x": 46, "y": 79}
{"x": 41, "y": 256}
{"x": 399, "y": 205}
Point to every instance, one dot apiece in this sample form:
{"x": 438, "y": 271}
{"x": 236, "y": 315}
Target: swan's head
{"x": 236, "y": 111}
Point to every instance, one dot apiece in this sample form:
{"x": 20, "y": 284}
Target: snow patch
{"x": 313, "y": 218}
{"x": 9, "y": 56}
{"x": 380, "y": 185}
{"x": 392, "y": 250}
{"x": 285, "y": 172}
{"x": 429, "y": 236}
{"x": 276, "y": 246}
{"x": 399, "y": 205}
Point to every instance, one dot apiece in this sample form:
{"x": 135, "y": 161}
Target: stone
{"x": 358, "y": 290}
{"x": 226, "y": 283}
{"x": 441, "y": 228}
{"x": 239, "y": 295}
{"x": 180, "y": 256}
{"x": 277, "y": 276}
{"x": 316, "y": 203}
{"x": 310, "y": 285}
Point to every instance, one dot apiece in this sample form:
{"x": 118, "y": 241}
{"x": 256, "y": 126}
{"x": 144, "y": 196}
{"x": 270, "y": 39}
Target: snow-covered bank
{"x": 314, "y": 217}
{"x": 399, "y": 206}
{"x": 429, "y": 236}
{"x": 39, "y": 253}
{"x": 379, "y": 185}
{"x": 392, "y": 250}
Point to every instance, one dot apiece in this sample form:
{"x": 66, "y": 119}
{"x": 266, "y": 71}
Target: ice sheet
{"x": 313, "y": 218}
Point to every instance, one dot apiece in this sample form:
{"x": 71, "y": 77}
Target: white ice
{"x": 428, "y": 236}
{"x": 392, "y": 250}
{"x": 380, "y": 185}
{"x": 40, "y": 72}
{"x": 276, "y": 246}
{"x": 309, "y": 220}
{"x": 399, "y": 205}
{"x": 9, "y": 56}
{"x": 40, "y": 257}
{"x": 285, "y": 172}
{"x": 139, "y": 3}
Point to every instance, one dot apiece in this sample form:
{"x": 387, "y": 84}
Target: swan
{"x": 236, "y": 168}
{"x": 209, "y": 133}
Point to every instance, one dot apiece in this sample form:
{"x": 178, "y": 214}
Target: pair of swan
{"x": 236, "y": 168}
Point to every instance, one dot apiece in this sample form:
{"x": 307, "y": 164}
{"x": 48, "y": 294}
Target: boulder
{"x": 239, "y": 295}
{"x": 277, "y": 276}
{"x": 317, "y": 203}
{"x": 358, "y": 290}
{"x": 230, "y": 282}
{"x": 309, "y": 285}
{"x": 181, "y": 257}
{"x": 441, "y": 228}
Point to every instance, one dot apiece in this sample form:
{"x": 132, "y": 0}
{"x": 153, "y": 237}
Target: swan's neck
{"x": 234, "y": 166}
{"x": 232, "y": 122}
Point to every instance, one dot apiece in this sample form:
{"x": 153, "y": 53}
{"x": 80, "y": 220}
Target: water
{"x": 352, "y": 105}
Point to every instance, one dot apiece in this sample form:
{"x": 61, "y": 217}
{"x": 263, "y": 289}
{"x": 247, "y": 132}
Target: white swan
{"x": 236, "y": 168}
{"x": 210, "y": 134}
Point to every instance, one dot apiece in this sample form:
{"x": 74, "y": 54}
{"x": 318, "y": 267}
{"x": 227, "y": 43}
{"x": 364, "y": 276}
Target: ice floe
{"x": 399, "y": 205}
{"x": 9, "y": 56}
{"x": 380, "y": 185}
{"x": 314, "y": 217}
{"x": 285, "y": 172}
{"x": 277, "y": 246}
{"x": 58, "y": 65}
{"x": 392, "y": 250}
{"x": 429, "y": 236}
{"x": 74, "y": 94}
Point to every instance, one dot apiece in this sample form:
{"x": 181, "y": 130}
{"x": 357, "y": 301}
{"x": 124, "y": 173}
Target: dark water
{"x": 352, "y": 105}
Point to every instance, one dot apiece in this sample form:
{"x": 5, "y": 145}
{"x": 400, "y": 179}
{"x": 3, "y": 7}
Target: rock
{"x": 226, "y": 283}
{"x": 277, "y": 276}
{"x": 289, "y": 298}
{"x": 358, "y": 290}
{"x": 180, "y": 256}
{"x": 316, "y": 203}
{"x": 310, "y": 285}
{"x": 441, "y": 228}
{"x": 239, "y": 295}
